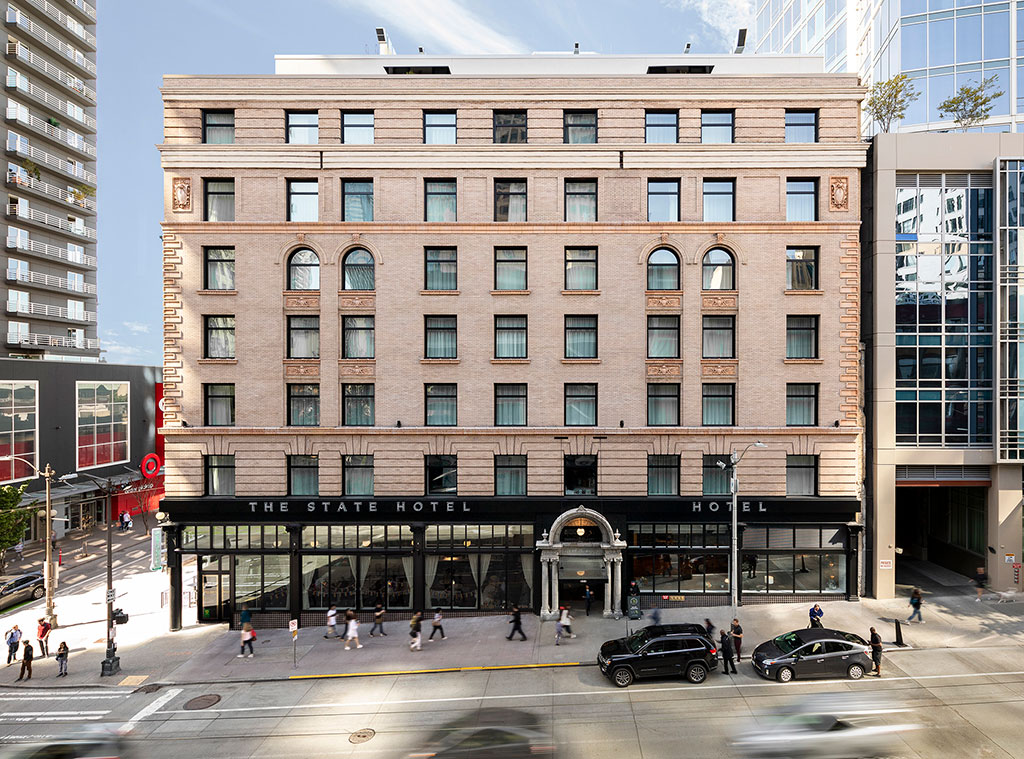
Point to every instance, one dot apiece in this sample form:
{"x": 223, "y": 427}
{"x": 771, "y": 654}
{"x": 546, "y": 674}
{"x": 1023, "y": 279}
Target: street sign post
{"x": 111, "y": 596}
{"x": 293, "y": 628}
{"x": 156, "y": 547}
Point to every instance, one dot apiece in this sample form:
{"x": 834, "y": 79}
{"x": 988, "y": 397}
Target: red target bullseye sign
{"x": 150, "y": 466}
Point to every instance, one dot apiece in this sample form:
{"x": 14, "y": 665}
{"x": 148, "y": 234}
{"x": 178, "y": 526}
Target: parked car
{"x": 27, "y": 587}
{"x": 659, "y": 651}
{"x": 813, "y": 652}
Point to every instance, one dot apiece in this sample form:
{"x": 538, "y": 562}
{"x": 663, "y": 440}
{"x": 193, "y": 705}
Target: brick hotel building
{"x": 471, "y": 331}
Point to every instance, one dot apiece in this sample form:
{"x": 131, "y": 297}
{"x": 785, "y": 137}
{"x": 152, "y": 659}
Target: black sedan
{"x": 27, "y": 587}
{"x": 813, "y": 652}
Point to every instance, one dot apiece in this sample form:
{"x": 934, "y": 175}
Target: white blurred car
{"x": 820, "y": 736}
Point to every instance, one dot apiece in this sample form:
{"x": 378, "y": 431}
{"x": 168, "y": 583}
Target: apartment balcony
{"x": 32, "y": 186}
{"x": 50, "y": 282}
{"x": 47, "y": 99}
{"x": 25, "y": 244}
{"x": 85, "y": 9}
{"x": 21, "y": 146}
{"x": 23, "y": 212}
{"x": 56, "y": 313}
{"x": 37, "y": 340}
{"x": 73, "y": 84}
{"x": 52, "y": 41}
{"x": 40, "y": 126}
{"x": 64, "y": 21}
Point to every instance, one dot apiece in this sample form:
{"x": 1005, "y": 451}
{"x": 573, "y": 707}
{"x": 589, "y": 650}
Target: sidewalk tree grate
{"x": 362, "y": 736}
{"x": 202, "y": 702}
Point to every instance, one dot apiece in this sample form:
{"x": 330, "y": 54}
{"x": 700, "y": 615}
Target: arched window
{"x": 719, "y": 270}
{"x": 303, "y": 270}
{"x": 357, "y": 269}
{"x": 663, "y": 270}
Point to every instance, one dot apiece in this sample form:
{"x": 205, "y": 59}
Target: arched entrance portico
{"x": 583, "y": 539}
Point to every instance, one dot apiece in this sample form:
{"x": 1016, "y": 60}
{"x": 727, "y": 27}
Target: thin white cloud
{"x": 725, "y": 17}
{"x": 136, "y": 328}
{"x": 440, "y": 26}
{"x": 119, "y": 353}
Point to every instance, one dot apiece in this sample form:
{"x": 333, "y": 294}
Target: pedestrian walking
{"x": 656, "y": 615}
{"x": 814, "y": 616}
{"x": 566, "y": 619}
{"x": 876, "y": 651}
{"x": 245, "y": 618}
{"x": 26, "y": 661}
{"x": 517, "y": 623}
{"x": 415, "y": 632}
{"x": 436, "y": 624}
{"x": 351, "y": 629}
{"x": 62, "y": 659}
{"x": 19, "y": 549}
{"x": 980, "y": 581}
{"x": 248, "y": 635}
{"x": 13, "y": 639}
{"x": 53, "y": 540}
{"x": 559, "y": 631}
{"x": 332, "y": 623}
{"x": 588, "y": 597}
{"x": 378, "y": 621}
{"x": 43, "y": 637}
{"x": 736, "y": 633}
{"x": 915, "y": 605}
{"x": 725, "y": 648}
{"x": 710, "y": 628}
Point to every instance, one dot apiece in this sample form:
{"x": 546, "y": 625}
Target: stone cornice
{"x": 519, "y": 432}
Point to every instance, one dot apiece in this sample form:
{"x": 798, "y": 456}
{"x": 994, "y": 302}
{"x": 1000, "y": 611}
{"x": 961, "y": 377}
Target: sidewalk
{"x": 71, "y": 546}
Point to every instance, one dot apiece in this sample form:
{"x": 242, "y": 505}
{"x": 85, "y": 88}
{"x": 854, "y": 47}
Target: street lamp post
{"x": 111, "y": 665}
{"x": 734, "y": 487}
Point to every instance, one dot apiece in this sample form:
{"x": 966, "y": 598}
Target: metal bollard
{"x": 899, "y": 634}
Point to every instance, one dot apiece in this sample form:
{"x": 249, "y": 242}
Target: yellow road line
{"x": 435, "y": 671}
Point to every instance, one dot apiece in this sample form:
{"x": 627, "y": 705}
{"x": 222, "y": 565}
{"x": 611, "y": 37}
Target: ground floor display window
{"x": 486, "y": 567}
{"x": 357, "y": 581}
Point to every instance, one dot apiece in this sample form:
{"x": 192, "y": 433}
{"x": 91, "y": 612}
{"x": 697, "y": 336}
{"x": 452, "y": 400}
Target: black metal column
{"x": 419, "y": 571}
{"x": 852, "y": 562}
{"x": 173, "y": 536}
{"x": 294, "y": 570}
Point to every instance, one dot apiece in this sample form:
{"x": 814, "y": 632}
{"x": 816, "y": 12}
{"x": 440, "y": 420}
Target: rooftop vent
{"x": 679, "y": 69}
{"x": 384, "y": 44}
{"x": 741, "y": 41}
{"x": 417, "y": 69}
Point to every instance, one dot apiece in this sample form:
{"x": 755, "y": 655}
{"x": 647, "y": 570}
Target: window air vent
{"x": 679, "y": 69}
{"x": 956, "y": 180}
{"x": 417, "y": 69}
{"x": 981, "y": 179}
{"x": 930, "y": 180}
{"x": 942, "y": 473}
{"x": 906, "y": 180}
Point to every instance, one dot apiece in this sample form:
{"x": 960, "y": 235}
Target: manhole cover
{"x": 361, "y": 736}
{"x": 202, "y": 702}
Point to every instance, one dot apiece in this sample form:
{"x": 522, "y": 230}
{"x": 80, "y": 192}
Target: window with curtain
{"x": 357, "y": 200}
{"x": 801, "y": 268}
{"x": 580, "y": 474}
{"x": 581, "y": 268}
{"x": 510, "y": 200}
{"x": 716, "y": 127}
{"x": 218, "y": 127}
{"x": 440, "y": 200}
{"x": 441, "y": 405}
{"x": 510, "y": 475}
{"x": 357, "y": 405}
{"x": 663, "y": 404}
{"x": 357, "y": 337}
{"x": 220, "y": 337}
{"x": 801, "y": 126}
{"x": 663, "y": 337}
{"x": 219, "y": 405}
{"x": 441, "y": 475}
{"x": 581, "y": 337}
{"x": 303, "y": 475}
{"x": 717, "y": 404}
{"x": 510, "y": 268}
{"x": 580, "y": 404}
{"x": 302, "y": 127}
{"x": 719, "y": 200}
{"x": 303, "y": 200}
{"x": 801, "y": 200}
{"x": 356, "y": 128}
{"x": 303, "y": 405}
{"x": 718, "y": 270}
{"x": 303, "y": 270}
{"x": 661, "y": 127}
{"x": 509, "y": 405}
{"x": 220, "y": 475}
{"x": 441, "y": 269}
{"x": 303, "y": 337}
{"x": 358, "y": 270}
{"x": 662, "y": 474}
{"x": 357, "y": 475}
{"x": 509, "y": 127}
{"x": 581, "y": 200}
{"x": 439, "y": 128}
{"x": 801, "y": 475}
{"x": 716, "y": 478}
{"x": 663, "y": 270}
{"x": 719, "y": 337}
{"x": 801, "y": 337}
{"x": 510, "y": 337}
{"x": 440, "y": 336}
{"x": 219, "y": 271}
{"x": 801, "y": 404}
{"x": 662, "y": 200}
{"x": 579, "y": 127}
{"x": 220, "y": 199}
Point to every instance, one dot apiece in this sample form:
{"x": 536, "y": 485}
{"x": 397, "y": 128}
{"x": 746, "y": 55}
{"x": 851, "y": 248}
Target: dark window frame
{"x": 511, "y": 467}
{"x": 816, "y": 396}
{"x": 291, "y": 329}
{"x": 510, "y": 195}
{"x": 206, "y": 335}
{"x": 292, "y": 394}
{"x": 815, "y": 265}
{"x": 288, "y": 125}
{"x": 673, "y": 467}
{"x": 426, "y": 268}
{"x": 346, "y": 329}
{"x": 577, "y": 466}
{"x": 345, "y": 395}
{"x": 441, "y": 112}
{"x": 565, "y": 402}
{"x": 732, "y": 194}
{"x": 428, "y": 329}
{"x": 815, "y": 468}
{"x": 289, "y": 193}
{"x": 347, "y": 465}
{"x": 815, "y": 330}
{"x": 565, "y": 335}
{"x": 566, "y": 126}
{"x": 207, "y": 194}
{"x": 678, "y": 196}
{"x": 218, "y": 111}
{"x": 526, "y": 266}
{"x": 566, "y": 194}
{"x": 449, "y": 462}
{"x": 373, "y": 126}
{"x": 345, "y": 194}
{"x": 719, "y": 111}
{"x": 731, "y": 265}
{"x": 677, "y": 267}
{"x": 665, "y": 113}
{"x": 732, "y": 335}
{"x": 677, "y": 330}
{"x": 525, "y": 329}
{"x": 525, "y": 126}
{"x": 709, "y": 462}
{"x": 524, "y": 396}
{"x": 803, "y": 111}
{"x": 565, "y": 268}
{"x": 345, "y": 264}
{"x": 679, "y": 402}
{"x": 732, "y": 399}
{"x": 295, "y": 466}
{"x": 427, "y": 195}
{"x": 814, "y": 192}
{"x": 208, "y": 395}
{"x": 206, "y": 267}
{"x": 426, "y": 407}
{"x": 291, "y": 264}
{"x": 208, "y": 466}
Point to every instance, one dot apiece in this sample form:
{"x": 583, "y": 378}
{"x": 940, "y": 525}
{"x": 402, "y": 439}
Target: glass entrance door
{"x": 215, "y": 589}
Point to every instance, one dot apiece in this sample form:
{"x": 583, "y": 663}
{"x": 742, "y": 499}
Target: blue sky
{"x": 140, "y": 40}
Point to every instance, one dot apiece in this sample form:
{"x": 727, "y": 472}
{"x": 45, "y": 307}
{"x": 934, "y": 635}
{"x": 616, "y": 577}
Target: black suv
{"x": 659, "y": 651}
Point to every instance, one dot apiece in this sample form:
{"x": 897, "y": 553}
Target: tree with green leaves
{"x": 972, "y": 103}
{"x": 888, "y": 101}
{"x": 14, "y": 520}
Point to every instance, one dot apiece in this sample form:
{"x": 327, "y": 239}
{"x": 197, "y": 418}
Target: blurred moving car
{"x": 26, "y": 587}
{"x": 493, "y": 732}
{"x": 659, "y": 651}
{"x": 813, "y": 652}
{"x": 94, "y": 742}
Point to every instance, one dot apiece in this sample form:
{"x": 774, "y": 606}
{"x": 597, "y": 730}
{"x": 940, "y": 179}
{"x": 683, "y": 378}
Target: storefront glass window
{"x": 753, "y": 567}
{"x": 248, "y": 581}
{"x": 275, "y": 582}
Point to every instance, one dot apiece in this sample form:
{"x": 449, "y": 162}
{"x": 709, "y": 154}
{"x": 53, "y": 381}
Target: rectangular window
{"x": 510, "y": 269}
{"x": 304, "y": 405}
{"x": 510, "y": 337}
{"x": 663, "y": 337}
{"x": 103, "y": 423}
{"x": 219, "y": 405}
{"x": 357, "y": 200}
{"x": 303, "y": 203}
{"x": 19, "y": 412}
{"x": 357, "y": 128}
{"x": 801, "y": 405}
{"x": 440, "y": 200}
{"x": 509, "y": 127}
{"x": 303, "y": 337}
{"x": 661, "y": 127}
{"x": 801, "y": 200}
{"x": 219, "y": 269}
{"x": 662, "y": 474}
{"x": 357, "y": 337}
{"x": 662, "y": 200}
{"x": 220, "y": 337}
{"x": 510, "y": 200}
{"x": 801, "y": 126}
{"x": 442, "y": 474}
{"x": 581, "y": 337}
{"x": 218, "y": 127}
{"x": 716, "y": 127}
{"x": 579, "y": 127}
{"x": 580, "y": 405}
{"x": 220, "y": 475}
{"x": 510, "y": 475}
{"x": 439, "y": 128}
{"x": 801, "y": 268}
{"x": 718, "y": 404}
{"x": 220, "y": 199}
{"x": 719, "y": 339}
{"x": 357, "y": 475}
{"x": 441, "y": 269}
{"x": 580, "y": 473}
{"x": 716, "y": 477}
{"x": 801, "y": 475}
{"x": 663, "y": 404}
{"x": 581, "y": 268}
{"x": 719, "y": 200}
{"x": 581, "y": 200}
{"x": 801, "y": 337}
{"x": 303, "y": 475}
{"x": 441, "y": 334}
{"x": 441, "y": 405}
{"x": 510, "y": 405}
{"x": 357, "y": 406}
{"x": 302, "y": 127}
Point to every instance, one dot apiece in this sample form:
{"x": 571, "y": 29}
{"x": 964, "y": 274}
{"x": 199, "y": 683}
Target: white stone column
{"x": 608, "y": 588}
{"x": 554, "y": 586}
{"x": 544, "y": 587}
{"x": 617, "y": 577}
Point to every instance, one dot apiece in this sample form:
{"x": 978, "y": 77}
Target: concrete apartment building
{"x": 50, "y": 208}
{"x": 472, "y": 332}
